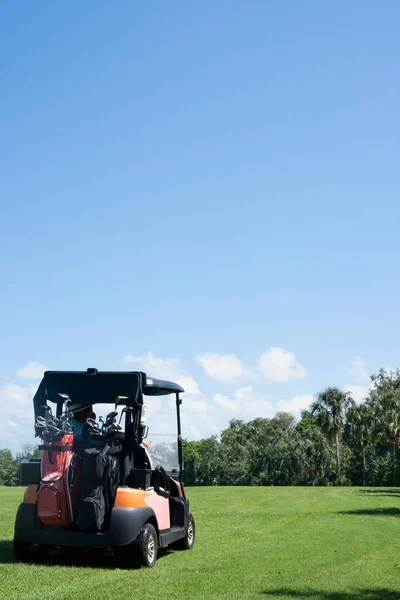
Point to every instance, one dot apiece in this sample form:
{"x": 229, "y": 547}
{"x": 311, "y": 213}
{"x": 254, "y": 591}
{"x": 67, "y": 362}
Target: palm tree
{"x": 385, "y": 399}
{"x": 329, "y": 410}
{"x": 387, "y": 429}
{"x": 358, "y": 425}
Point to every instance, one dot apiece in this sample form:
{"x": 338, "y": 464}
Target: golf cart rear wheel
{"x": 142, "y": 552}
{"x": 187, "y": 542}
{"x": 145, "y": 547}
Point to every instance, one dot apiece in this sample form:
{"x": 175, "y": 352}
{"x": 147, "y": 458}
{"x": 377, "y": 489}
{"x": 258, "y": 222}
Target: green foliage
{"x": 29, "y": 451}
{"x": 9, "y": 466}
{"x": 9, "y": 474}
{"x": 336, "y": 441}
{"x": 384, "y": 403}
{"x": 191, "y": 454}
{"x": 329, "y": 410}
{"x": 262, "y": 452}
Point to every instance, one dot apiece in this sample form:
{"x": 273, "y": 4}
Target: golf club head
{"x": 110, "y": 418}
{"x": 114, "y": 427}
{"x": 47, "y": 411}
{"x": 53, "y": 428}
{"x": 93, "y": 425}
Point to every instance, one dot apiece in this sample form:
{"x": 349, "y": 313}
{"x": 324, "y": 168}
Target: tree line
{"x": 335, "y": 442}
{"x": 9, "y": 464}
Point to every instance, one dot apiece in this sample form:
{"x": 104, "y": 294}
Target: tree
{"x": 29, "y": 451}
{"x": 315, "y": 451}
{"x": 384, "y": 400}
{"x": 236, "y": 443}
{"x": 209, "y": 468}
{"x": 329, "y": 409}
{"x": 358, "y": 430}
{"x": 274, "y": 451}
{"x": 191, "y": 459}
{"x": 9, "y": 468}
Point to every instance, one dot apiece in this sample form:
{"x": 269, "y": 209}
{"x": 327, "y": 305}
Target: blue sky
{"x": 186, "y": 180}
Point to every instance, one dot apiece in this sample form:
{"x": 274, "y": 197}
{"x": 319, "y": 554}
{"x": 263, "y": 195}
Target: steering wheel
{"x": 161, "y": 475}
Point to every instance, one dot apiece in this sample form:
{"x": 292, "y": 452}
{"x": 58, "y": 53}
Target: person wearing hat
{"x": 78, "y": 421}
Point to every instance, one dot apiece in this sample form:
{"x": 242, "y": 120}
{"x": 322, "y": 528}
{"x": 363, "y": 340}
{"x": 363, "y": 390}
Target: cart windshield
{"x": 162, "y": 436}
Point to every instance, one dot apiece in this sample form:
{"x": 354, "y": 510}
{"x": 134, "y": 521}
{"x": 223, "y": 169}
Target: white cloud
{"x": 247, "y": 404}
{"x": 199, "y": 407}
{"x": 223, "y": 367}
{"x": 280, "y": 365}
{"x": 189, "y": 384}
{"x": 197, "y": 414}
{"x": 296, "y": 404}
{"x": 32, "y": 370}
{"x": 358, "y": 392}
{"x": 252, "y": 404}
{"x": 205, "y": 425}
{"x": 242, "y": 394}
{"x": 17, "y": 422}
{"x": 154, "y": 406}
{"x": 164, "y": 368}
{"x": 226, "y": 403}
{"x": 389, "y": 371}
{"x": 357, "y": 369}
{"x": 17, "y": 399}
{"x": 276, "y": 364}
{"x": 201, "y": 417}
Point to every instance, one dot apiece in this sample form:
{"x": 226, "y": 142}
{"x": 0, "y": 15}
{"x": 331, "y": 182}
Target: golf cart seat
{"x": 139, "y": 478}
{"x": 140, "y": 458}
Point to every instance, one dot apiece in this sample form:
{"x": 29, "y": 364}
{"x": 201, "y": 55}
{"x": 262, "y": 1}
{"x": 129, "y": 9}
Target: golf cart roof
{"x": 94, "y": 387}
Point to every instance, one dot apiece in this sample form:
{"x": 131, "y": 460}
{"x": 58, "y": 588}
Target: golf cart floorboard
{"x": 169, "y": 536}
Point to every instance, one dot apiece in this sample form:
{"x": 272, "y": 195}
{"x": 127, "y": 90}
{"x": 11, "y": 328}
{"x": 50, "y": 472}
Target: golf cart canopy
{"x": 100, "y": 387}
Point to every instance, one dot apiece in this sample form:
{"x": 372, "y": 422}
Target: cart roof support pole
{"x": 180, "y": 442}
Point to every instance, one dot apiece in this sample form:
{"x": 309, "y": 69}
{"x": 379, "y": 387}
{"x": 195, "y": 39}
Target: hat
{"x": 75, "y": 407}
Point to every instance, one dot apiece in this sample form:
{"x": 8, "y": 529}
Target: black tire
{"x": 145, "y": 547}
{"x": 187, "y": 542}
{"x": 142, "y": 552}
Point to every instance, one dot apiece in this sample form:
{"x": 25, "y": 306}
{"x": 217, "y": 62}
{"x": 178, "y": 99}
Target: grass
{"x": 265, "y": 543}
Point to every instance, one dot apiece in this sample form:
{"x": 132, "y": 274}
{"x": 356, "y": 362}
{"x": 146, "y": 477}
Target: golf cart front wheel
{"x": 187, "y": 542}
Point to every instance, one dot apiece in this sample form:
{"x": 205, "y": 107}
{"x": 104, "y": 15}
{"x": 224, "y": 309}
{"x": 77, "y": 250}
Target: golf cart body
{"x": 147, "y": 508}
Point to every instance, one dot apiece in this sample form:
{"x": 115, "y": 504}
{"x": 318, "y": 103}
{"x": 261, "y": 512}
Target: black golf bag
{"x": 99, "y": 483}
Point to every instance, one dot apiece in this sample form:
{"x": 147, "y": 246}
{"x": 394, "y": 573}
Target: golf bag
{"x": 100, "y": 480}
{"x": 57, "y": 490}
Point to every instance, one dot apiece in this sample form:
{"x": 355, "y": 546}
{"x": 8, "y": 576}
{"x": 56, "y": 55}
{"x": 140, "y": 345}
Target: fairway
{"x": 280, "y": 543}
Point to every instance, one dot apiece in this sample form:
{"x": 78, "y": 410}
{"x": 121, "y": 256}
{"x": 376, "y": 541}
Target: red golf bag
{"x": 57, "y": 495}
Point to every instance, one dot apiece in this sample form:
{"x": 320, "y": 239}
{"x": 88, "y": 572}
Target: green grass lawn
{"x": 278, "y": 543}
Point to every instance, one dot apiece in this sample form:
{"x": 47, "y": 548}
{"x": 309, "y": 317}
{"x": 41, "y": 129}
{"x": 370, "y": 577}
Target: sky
{"x": 205, "y": 191}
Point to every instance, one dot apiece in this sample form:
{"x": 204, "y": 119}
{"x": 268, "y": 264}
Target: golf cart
{"x": 103, "y": 492}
